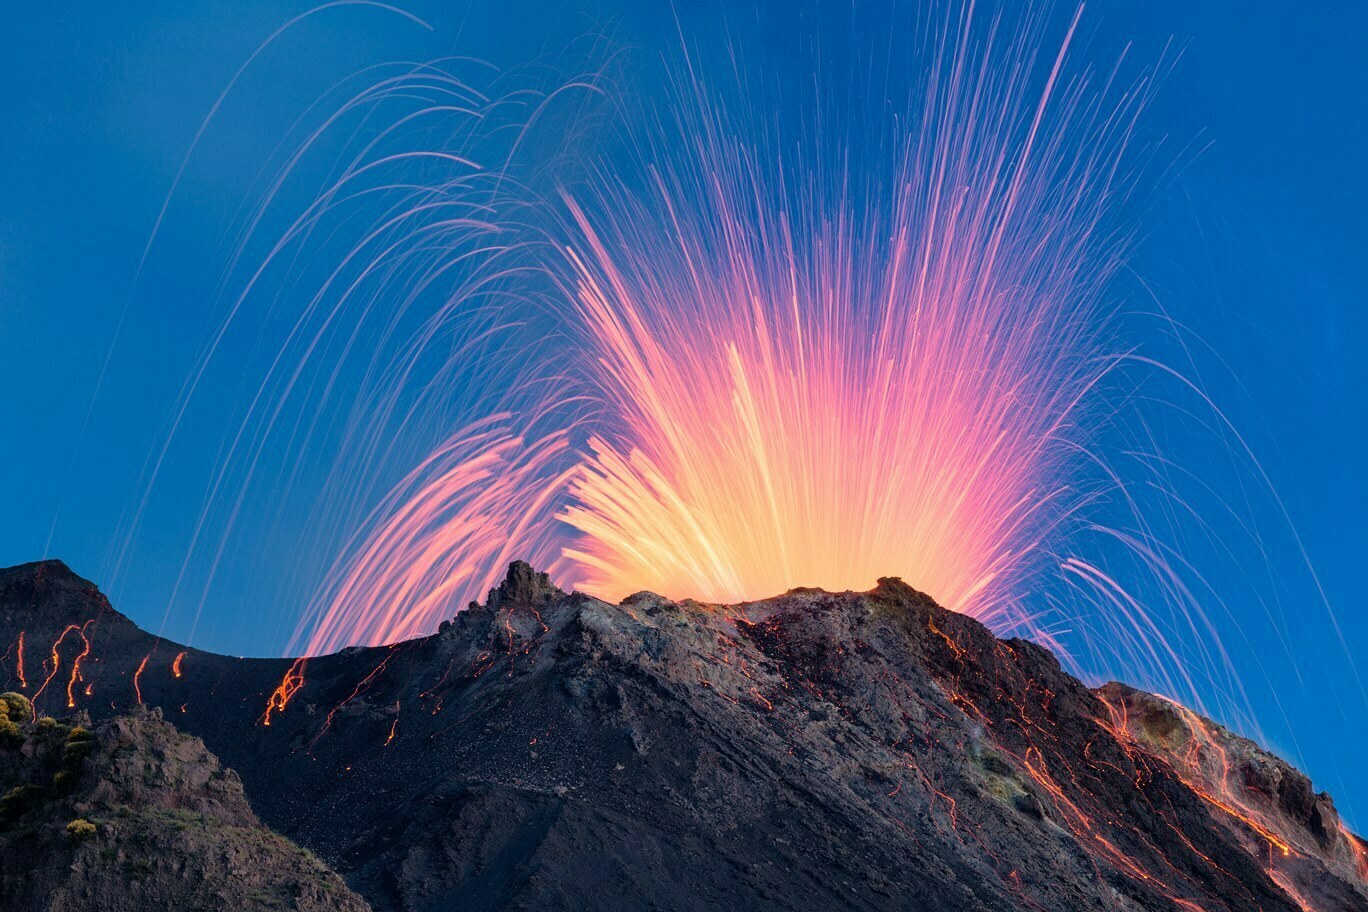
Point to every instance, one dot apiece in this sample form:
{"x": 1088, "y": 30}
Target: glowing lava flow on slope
{"x": 1285, "y": 819}
{"x": 56, "y": 663}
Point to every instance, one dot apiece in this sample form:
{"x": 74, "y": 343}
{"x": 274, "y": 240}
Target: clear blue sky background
{"x": 1259, "y": 245}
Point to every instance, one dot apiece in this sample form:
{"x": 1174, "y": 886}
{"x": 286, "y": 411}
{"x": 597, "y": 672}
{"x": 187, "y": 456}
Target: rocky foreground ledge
{"x": 550, "y": 751}
{"x": 131, "y": 814}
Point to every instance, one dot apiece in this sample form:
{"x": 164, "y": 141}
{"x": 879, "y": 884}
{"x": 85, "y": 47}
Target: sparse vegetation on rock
{"x": 80, "y": 829}
{"x": 131, "y": 815}
{"x": 16, "y": 706}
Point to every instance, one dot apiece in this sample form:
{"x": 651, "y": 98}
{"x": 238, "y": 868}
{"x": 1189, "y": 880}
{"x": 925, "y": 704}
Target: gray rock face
{"x": 810, "y": 751}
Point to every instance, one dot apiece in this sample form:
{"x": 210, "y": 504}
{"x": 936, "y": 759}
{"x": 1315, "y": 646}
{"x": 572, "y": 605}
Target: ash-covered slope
{"x": 815, "y": 750}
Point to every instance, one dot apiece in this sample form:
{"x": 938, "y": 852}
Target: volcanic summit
{"x": 545, "y": 750}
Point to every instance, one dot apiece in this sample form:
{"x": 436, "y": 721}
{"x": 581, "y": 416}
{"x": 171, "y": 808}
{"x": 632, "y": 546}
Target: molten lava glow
{"x": 453, "y": 520}
{"x": 19, "y": 660}
{"x": 75, "y": 673}
{"x": 289, "y": 685}
{"x": 827, "y": 386}
{"x": 792, "y": 375}
{"x": 137, "y": 679}
{"x": 1215, "y": 766}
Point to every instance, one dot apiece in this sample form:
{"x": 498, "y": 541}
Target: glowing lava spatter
{"x": 290, "y": 684}
{"x": 19, "y": 659}
{"x": 1022, "y": 747}
{"x": 76, "y": 668}
{"x": 1284, "y": 822}
{"x": 74, "y": 675}
{"x": 822, "y": 384}
{"x": 1206, "y": 767}
{"x": 137, "y": 679}
{"x": 1016, "y": 716}
{"x": 794, "y": 374}
{"x": 361, "y": 686}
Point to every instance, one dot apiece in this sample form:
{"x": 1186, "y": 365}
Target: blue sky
{"x": 1256, "y": 244}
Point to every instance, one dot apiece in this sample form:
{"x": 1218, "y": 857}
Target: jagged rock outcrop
{"x": 132, "y": 815}
{"x": 814, "y": 750}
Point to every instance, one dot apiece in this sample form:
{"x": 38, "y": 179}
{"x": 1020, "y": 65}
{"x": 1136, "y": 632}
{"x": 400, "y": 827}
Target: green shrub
{"x": 138, "y": 869}
{"x": 19, "y": 799}
{"x": 80, "y": 829}
{"x": 79, "y": 744}
{"x": 10, "y": 735}
{"x": 16, "y": 706}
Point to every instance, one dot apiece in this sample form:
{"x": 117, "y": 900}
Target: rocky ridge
{"x": 815, "y": 750}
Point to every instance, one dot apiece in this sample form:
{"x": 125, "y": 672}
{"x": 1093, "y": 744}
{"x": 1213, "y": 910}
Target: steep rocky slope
{"x": 814, "y": 750}
{"x": 1265, "y": 804}
{"x": 133, "y": 815}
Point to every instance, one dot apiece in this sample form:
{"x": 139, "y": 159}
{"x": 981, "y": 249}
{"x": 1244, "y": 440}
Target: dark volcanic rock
{"x": 811, "y": 751}
{"x": 134, "y": 815}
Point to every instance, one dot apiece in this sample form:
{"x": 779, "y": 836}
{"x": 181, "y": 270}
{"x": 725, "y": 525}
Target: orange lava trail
{"x": 76, "y": 668}
{"x": 1090, "y": 825}
{"x": 289, "y": 685}
{"x": 176, "y": 665}
{"x": 362, "y": 685}
{"x": 7, "y": 654}
{"x": 440, "y": 681}
{"x": 137, "y": 687}
{"x": 57, "y": 662}
{"x": 1205, "y": 759}
{"x": 1288, "y": 887}
{"x": 1360, "y": 851}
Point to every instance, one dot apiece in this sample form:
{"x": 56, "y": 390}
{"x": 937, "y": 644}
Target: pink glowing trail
{"x": 799, "y": 376}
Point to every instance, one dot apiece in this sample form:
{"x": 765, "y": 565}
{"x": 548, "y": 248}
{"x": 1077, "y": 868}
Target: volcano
{"x": 546, "y": 750}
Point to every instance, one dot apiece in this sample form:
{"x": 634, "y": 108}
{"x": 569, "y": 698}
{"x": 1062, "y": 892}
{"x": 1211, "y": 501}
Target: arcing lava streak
{"x": 875, "y": 355}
